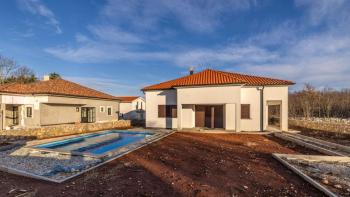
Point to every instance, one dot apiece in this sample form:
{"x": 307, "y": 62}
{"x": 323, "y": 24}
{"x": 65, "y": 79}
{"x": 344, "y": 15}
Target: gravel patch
{"x": 334, "y": 175}
{"x": 48, "y": 164}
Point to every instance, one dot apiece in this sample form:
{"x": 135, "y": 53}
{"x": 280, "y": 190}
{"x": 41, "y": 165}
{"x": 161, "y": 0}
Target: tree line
{"x": 324, "y": 103}
{"x": 12, "y": 72}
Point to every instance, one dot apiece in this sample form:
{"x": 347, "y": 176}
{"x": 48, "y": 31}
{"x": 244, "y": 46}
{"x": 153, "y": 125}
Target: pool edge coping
{"x": 39, "y": 177}
{"x": 155, "y": 135}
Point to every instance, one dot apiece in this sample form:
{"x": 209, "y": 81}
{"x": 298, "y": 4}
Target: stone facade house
{"x": 53, "y": 102}
{"x": 132, "y": 107}
{"x": 215, "y": 99}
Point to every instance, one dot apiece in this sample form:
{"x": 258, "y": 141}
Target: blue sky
{"x": 120, "y": 46}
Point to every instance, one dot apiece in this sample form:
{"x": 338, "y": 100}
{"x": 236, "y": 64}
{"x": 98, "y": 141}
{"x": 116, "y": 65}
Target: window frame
{"x": 244, "y": 116}
{"x": 102, "y": 109}
{"x": 109, "y": 109}
{"x": 29, "y": 115}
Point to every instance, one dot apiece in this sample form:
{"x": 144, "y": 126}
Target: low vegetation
{"x": 325, "y": 103}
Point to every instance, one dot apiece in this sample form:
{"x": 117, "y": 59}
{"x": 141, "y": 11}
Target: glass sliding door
{"x": 88, "y": 114}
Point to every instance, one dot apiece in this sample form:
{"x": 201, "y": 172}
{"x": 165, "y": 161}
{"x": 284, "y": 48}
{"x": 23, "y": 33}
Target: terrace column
{"x": 179, "y": 116}
{"x": 3, "y": 116}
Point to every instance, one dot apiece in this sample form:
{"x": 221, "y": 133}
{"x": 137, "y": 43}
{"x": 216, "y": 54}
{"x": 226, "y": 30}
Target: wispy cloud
{"x": 95, "y": 52}
{"x": 323, "y": 10}
{"x": 143, "y": 23}
{"x": 105, "y": 44}
{"x": 111, "y": 86}
{"x": 291, "y": 51}
{"x": 196, "y": 16}
{"x": 114, "y": 34}
{"x": 312, "y": 48}
{"x": 36, "y": 7}
{"x": 232, "y": 54}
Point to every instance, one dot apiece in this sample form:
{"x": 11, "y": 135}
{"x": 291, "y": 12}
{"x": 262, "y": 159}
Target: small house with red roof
{"x": 213, "y": 99}
{"x": 132, "y": 107}
{"x": 53, "y": 102}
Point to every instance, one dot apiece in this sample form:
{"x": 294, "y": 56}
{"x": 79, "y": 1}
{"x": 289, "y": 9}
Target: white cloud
{"x": 321, "y": 10}
{"x": 114, "y": 34}
{"x": 107, "y": 43}
{"x": 316, "y": 51}
{"x": 111, "y": 86}
{"x": 36, "y": 7}
{"x": 197, "y": 16}
{"x": 96, "y": 52}
{"x": 233, "y": 54}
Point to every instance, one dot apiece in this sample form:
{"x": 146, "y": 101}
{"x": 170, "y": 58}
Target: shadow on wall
{"x": 134, "y": 115}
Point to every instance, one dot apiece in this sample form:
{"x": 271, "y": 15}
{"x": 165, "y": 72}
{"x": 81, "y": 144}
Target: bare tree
{"x": 325, "y": 103}
{"x": 7, "y": 66}
{"x": 22, "y": 74}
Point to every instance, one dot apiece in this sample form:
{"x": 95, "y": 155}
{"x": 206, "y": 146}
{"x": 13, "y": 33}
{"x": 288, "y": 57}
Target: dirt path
{"x": 183, "y": 164}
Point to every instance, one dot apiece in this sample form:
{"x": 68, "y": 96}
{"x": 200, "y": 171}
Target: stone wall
{"x": 63, "y": 130}
{"x": 332, "y": 125}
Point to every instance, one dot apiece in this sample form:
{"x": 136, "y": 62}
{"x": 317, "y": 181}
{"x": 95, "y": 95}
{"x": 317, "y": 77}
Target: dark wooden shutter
{"x": 245, "y": 111}
{"x": 161, "y": 111}
{"x": 167, "y": 111}
{"x": 174, "y": 111}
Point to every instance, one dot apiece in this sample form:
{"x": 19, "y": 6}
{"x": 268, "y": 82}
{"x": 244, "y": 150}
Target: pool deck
{"x": 49, "y": 159}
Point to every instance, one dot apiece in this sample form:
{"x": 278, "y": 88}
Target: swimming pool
{"x": 96, "y": 144}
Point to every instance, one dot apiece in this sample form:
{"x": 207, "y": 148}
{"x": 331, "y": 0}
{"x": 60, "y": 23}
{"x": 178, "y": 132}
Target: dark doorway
{"x": 15, "y": 115}
{"x": 274, "y": 116}
{"x": 209, "y": 116}
{"x": 88, "y": 114}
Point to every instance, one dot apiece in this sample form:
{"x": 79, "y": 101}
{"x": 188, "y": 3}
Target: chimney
{"x": 191, "y": 70}
{"x": 46, "y": 78}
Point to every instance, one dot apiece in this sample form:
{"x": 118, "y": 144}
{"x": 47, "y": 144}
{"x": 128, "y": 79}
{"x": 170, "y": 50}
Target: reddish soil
{"x": 183, "y": 164}
{"x": 335, "y": 137}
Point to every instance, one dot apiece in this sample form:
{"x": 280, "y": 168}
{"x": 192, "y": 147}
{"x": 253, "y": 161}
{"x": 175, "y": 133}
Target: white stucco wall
{"x": 155, "y": 98}
{"x": 229, "y": 96}
{"x": 141, "y": 102}
{"x": 251, "y": 95}
{"x": 89, "y": 102}
{"x": 62, "y": 110}
{"x": 188, "y": 116}
{"x": 124, "y": 108}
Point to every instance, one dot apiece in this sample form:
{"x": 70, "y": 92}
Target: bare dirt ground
{"x": 335, "y": 137}
{"x": 183, "y": 164}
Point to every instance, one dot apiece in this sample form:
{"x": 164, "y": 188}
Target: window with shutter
{"x": 245, "y": 111}
{"x": 174, "y": 111}
{"x": 167, "y": 111}
{"x": 161, "y": 111}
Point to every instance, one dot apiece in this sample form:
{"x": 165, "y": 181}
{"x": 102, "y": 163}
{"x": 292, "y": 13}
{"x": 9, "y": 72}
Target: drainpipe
{"x": 261, "y": 89}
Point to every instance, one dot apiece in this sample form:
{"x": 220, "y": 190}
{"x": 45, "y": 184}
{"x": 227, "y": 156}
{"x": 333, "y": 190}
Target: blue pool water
{"x": 97, "y": 143}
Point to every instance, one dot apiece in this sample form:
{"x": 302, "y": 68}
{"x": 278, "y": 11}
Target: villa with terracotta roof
{"x": 132, "y": 107}
{"x": 53, "y": 102}
{"x": 213, "y": 99}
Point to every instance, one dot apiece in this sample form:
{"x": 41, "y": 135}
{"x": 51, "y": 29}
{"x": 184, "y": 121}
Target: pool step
{"x": 89, "y": 142}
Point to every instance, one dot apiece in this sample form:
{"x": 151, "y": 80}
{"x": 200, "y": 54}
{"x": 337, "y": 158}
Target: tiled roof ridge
{"x": 55, "y": 87}
{"x": 215, "y": 77}
{"x": 242, "y": 74}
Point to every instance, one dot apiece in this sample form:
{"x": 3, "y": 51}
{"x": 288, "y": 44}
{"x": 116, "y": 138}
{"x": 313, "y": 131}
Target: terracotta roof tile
{"x": 55, "y": 87}
{"x": 213, "y": 77}
{"x": 126, "y": 99}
